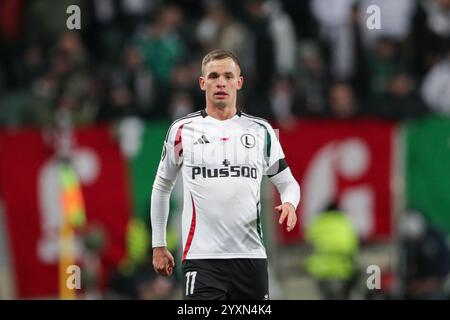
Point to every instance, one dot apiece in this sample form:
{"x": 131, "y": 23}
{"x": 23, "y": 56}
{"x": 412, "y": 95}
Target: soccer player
{"x": 222, "y": 154}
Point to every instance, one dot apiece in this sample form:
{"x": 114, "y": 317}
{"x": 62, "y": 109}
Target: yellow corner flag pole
{"x": 73, "y": 216}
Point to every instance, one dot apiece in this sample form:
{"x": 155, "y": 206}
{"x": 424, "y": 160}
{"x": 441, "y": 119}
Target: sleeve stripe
{"x": 282, "y": 165}
{"x": 178, "y": 143}
{"x": 258, "y": 221}
{"x": 253, "y": 117}
{"x": 191, "y": 231}
{"x": 192, "y": 115}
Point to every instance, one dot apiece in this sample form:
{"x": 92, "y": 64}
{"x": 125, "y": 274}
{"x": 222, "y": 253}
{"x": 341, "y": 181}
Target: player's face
{"x": 221, "y": 81}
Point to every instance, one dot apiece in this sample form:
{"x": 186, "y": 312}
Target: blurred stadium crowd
{"x": 312, "y": 58}
{"x": 309, "y": 59}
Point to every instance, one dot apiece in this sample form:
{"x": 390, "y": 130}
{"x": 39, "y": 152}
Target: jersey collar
{"x": 204, "y": 114}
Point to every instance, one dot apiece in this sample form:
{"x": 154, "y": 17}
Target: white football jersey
{"x": 222, "y": 164}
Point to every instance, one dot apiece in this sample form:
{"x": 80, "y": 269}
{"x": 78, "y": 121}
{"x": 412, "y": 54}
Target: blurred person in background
{"x": 305, "y": 24}
{"x": 163, "y": 45}
{"x": 436, "y": 86}
{"x": 219, "y": 28}
{"x": 113, "y": 23}
{"x": 334, "y": 245}
{"x": 67, "y": 82}
{"x": 161, "y": 42}
{"x": 343, "y": 103}
{"x": 263, "y": 69}
{"x": 334, "y": 18}
{"x": 78, "y": 86}
{"x": 131, "y": 90}
{"x": 282, "y": 102}
{"x": 180, "y": 105}
{"x": 30, "y": 66}
{"x": 62, "y": 78}
{"x": 341, "y": 44}
{"x": 402, "y": 99}
{"x": 94, "y": 241}
{"x": 425, "y": 259}
{"x": 430, "y": 34}
{"x": 311, "y": 80}
{"x": 184, "y": 80}
{"x": 133, "y": 14}
{"x": 384, "y": 63}
{"x": 284, "y": 38}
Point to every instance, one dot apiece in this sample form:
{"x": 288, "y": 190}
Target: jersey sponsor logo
{"x": 232, "y": 171}
{"x": 248, "y": 140}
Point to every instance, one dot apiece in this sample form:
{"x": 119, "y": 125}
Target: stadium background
{"x": 362, "y": 116}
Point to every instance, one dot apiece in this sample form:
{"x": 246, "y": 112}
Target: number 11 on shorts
{"x": 190, "y": 282}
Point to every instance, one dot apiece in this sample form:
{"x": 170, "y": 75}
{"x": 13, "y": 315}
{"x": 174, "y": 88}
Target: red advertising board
{"x": 347, "y": 161}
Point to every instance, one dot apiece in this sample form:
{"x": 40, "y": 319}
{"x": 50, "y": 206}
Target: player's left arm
{"x": 281, "y": 176}
{"x": 289, "y": 191}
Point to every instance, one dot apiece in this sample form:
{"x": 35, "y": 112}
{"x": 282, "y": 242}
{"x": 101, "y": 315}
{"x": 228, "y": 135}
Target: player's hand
{"x": 287, "y": 210}
{"x": 163, "y": 261}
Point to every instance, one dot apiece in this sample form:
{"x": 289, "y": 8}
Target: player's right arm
{"x": 168, "y": 170}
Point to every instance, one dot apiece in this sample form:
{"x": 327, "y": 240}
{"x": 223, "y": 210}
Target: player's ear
{"x": 240, "y": 82}
{"x": 201, "y": 82}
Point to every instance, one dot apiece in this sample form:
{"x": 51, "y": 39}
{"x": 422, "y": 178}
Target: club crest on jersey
{"x": 248, "y": 140}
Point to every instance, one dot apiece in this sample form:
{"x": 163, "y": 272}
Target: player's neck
{"x": 221, "y": 113}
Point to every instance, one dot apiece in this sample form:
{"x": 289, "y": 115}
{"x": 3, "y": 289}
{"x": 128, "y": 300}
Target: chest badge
{"x": 248, "y": 140}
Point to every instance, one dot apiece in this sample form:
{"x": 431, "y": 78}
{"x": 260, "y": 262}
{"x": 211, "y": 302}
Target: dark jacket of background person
{"x": 426, "y": 260}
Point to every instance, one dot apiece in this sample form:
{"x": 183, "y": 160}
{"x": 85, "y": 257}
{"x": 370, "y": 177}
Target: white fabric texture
{"x": 160, "y": 210}
{"x": 287, "y": 186}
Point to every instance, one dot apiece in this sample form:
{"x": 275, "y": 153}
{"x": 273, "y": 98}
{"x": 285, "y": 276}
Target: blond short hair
{"x": 219, "y": 54}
